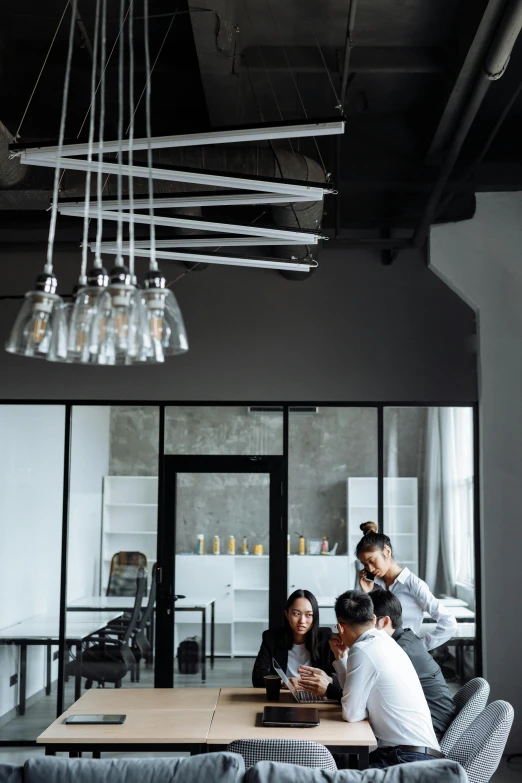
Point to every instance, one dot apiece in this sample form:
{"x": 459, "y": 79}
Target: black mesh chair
{"x": 108, "y": 656}
{"x": 125, "y": 569}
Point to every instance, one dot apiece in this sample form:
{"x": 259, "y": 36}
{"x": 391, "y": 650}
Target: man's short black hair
{"x": 354, "y": 608}
{"x": 386, "y": 604}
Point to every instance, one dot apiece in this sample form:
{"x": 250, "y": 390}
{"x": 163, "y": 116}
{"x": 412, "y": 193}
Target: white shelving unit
{"x": 401, "y": 516}
{"x": 129, "y": 521}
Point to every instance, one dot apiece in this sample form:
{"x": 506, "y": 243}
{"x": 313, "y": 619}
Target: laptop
{"x": 303, "y": 697}
{"x": 291, "y": 717}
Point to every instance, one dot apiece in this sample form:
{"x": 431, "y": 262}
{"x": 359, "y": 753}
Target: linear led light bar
{"x": 302, "y": 237}
{"x": 312, "y": 193}
{"x": 203, "y": 200}
{"x": 200, "y": 242}
{"x": 196, "y": 258}
{"x": 231, "y": 136}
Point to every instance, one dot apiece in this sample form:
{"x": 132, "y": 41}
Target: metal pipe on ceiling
{"x": 348, "y": 46}
{"x": 493, "y": 68}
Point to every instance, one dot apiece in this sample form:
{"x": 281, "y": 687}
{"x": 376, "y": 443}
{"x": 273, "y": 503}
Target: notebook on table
{"x": 291, "y": 717}
{"x": 303, "y": 697}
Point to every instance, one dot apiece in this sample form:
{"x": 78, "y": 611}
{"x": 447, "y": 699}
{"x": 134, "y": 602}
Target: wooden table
{"x": 106, "y": 603}
{"x": 188, "y": 719}
{"x": 43, "y": 629}
{"x": 121, "y": 700}
{"x": 143, "y": 730}
{"x": 237, "y": 717}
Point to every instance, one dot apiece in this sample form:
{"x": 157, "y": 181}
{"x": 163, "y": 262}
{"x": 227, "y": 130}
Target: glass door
{"x": 222, "y": 551}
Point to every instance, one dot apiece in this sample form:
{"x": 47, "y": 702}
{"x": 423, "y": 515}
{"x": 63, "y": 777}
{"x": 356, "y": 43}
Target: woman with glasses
{"x": 299, "y": 642}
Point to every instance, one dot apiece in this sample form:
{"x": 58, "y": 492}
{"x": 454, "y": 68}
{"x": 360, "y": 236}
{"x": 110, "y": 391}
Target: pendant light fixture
{"x": 89, "y": 285}
{"x": 40, "y": 328}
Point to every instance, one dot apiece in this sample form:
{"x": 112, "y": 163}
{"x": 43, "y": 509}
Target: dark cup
{"x": 273, "y": 686}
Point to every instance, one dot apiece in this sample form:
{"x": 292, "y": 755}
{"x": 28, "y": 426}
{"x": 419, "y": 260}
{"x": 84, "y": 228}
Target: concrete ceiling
{"x": 276, "y": 59}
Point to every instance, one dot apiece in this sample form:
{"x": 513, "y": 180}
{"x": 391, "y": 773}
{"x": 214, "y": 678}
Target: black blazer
{"x": 274, "y": 646}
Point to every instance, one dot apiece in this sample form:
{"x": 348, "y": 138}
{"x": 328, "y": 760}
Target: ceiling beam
{"x": 364, "y": 59}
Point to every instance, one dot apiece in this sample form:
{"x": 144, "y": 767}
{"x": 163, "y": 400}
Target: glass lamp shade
{"x": 40, "y": 328}
{"x": 80, "y": 325}
{"x": 166, "y": 327}
{"x": 119, "y": 334}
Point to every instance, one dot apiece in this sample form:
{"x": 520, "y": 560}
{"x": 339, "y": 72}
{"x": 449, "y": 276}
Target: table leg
{"x": 49, "y": 751}
{"x": 364, "y": 758}
{"x": 48, "y": 675}
{"x": 203, "y": 644}
{"x": 23, "y": 679}
{"x": 78, "y": 675}
{"x": 96, "y": 754}
{"x": 212, "y": 633}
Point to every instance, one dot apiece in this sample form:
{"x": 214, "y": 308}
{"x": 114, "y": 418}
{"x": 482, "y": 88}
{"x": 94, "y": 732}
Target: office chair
{"x": 470, "y": 701}
{"x": 108, "y": 655}
{"x": 124, "y": 572}
{"x": 480, "y": 748}
{"x": 301, "y": 752}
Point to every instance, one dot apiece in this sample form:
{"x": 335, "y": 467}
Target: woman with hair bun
{"x": 375, "y": 553}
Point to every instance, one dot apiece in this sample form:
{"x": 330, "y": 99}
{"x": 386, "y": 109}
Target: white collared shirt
{"x": 416, "y": 598}
{"x": 380, "y": 683}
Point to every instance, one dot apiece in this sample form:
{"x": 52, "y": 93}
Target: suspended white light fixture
{"x": 238, "y": 134}
{"x": 40, "y": 328}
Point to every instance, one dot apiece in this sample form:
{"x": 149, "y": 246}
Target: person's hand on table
{"x": 337, "y": 646}
{"x": 314, "y": 680}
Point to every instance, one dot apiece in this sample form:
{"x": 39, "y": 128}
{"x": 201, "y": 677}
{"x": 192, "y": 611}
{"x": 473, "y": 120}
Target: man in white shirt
{"x": 380, "y": 684}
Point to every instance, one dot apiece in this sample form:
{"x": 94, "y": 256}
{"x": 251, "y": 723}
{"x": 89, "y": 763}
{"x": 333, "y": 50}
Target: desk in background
{"x": 107, "y": 603}
{"x": 44, "y": 630}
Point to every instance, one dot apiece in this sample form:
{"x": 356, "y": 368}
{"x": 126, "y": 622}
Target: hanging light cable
{"x": 110, "y": 333}
{"x": 167, "y": 330}
{"x": 89, "y": 284}
{"x": 40, "y": 327}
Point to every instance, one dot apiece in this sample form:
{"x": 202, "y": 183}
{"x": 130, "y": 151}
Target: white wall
{"x": 89, "y": 463}
{"x": 31, "y": 496}
{"x": 482, "y": 260}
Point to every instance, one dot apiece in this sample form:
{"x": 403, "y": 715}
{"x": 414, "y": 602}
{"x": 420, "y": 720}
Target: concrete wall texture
{"x": 326, "y": 448}
{"x": 481, "y": 260}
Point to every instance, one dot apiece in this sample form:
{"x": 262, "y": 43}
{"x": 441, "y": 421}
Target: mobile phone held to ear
{"x": 369, "y": 577}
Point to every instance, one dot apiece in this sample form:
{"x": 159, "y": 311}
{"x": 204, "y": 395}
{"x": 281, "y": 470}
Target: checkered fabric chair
{"x": 470, "y": 701}
{"x": 301, "y": 752}
{"x": 480, "y": 748}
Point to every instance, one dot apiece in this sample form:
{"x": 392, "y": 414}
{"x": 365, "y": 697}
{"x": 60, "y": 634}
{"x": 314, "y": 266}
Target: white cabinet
{"x": 400, "y": 515}
{"x": 129, "y": 520}
{"x": 201, "y": 576}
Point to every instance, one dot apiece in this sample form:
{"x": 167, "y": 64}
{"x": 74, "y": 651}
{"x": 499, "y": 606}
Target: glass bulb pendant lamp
{"x": 40, "y": 326}
{"x": 83, "y": 315}
{"x": 115, "y": 333}
{"x": 166, "y": 327}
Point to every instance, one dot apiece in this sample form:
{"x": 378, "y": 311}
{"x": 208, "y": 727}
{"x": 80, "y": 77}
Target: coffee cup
{"x": 273, "y": 686}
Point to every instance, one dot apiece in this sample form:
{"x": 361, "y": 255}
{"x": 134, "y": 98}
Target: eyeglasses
{"x": 337, "y": 626}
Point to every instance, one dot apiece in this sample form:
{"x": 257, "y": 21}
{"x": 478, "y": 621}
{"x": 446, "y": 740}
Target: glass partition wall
{"x": 32, "y": 453}
{"x": 429, "y": 513}
{"x": 289, "y": 485}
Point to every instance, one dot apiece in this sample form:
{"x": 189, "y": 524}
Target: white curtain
{"x": 448, "y": 500}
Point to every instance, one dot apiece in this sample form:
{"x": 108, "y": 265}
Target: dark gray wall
{"x": 355, "y": 331}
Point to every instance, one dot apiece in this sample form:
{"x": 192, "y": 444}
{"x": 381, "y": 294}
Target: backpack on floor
{"x": 189, "y": 655}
